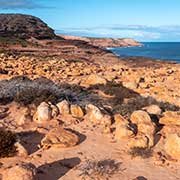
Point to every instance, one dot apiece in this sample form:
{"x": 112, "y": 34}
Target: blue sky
{"x": 144, "y": 20}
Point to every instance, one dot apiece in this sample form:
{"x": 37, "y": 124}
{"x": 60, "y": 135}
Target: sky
{"x": 143, "y": 20}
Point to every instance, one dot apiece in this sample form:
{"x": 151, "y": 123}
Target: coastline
{"x": 70, "y": 107}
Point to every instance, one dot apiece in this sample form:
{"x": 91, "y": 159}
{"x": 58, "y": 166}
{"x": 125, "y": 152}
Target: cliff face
{"x": 105, "y": 42}
{"x": 24, "y": 26}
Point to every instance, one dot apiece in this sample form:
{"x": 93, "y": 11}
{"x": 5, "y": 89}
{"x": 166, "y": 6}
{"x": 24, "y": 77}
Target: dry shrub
{"x": 141, "y": 152}
{"x": 7, "y": 141}
{"x": 96, "y": 170}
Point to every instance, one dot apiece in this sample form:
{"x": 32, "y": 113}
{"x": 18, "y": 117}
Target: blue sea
{"x": 157, "y": 50}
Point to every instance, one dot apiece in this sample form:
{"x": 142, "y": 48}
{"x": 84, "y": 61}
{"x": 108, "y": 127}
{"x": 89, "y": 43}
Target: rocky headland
{"x": 72, "y": 110}
{"x": 105, "y": 42}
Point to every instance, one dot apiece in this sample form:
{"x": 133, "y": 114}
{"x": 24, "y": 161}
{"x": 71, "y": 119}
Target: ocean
{"x": 167, "y": 51}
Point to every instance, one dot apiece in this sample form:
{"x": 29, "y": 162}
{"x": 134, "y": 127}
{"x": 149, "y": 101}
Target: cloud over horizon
{"x": 19, "y": 4}
{"x": 138, "y": 32}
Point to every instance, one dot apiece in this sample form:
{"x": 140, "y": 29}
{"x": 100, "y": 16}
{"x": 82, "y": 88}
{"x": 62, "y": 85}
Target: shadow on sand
{"x": 57, "y": 169}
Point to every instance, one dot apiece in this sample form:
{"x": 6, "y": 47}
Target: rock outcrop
{"x": 24, "y": 26}
{"x": 105, "y": 42}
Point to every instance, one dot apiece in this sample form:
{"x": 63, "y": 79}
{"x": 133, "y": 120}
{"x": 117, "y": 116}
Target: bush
{"x": 7, "y": 141}
{"x": 142, "y": 152}
{"x": 99, "y": 169}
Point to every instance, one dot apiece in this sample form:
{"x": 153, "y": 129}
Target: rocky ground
{"x": 68, "y": 118}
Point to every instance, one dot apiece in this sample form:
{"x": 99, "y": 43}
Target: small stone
{"x": 94, "y": 79}
{"x": 63, "y": 107}
{"x": 21, "y": 151}
{"x": 55, "y": 110}
{"x": 130, "y": 85}
{"x": 153, "y": 109}
{"x": 77, "y": 111}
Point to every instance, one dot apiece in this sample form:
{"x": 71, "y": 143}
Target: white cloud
{"x": 19, "y": 4}
{"x": 139, "y": 32}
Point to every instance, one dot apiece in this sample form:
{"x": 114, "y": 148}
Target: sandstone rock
{"x": 139, "y": 141}
{"x": 93, "y": 113}
{"x": 25, "y": 118}
{"x": 76, "y": 111}
{"x": 95, "y": 116}
{"x": 153, "y": 109}
{"x": 170, "y": 129}
{"x": 44, "y": 113}
{"x": 55, "y": 110}
{"x": 20, "y": 171}
{"x": 120, "y": 120}
{"x": 94, "y": 79}
{"x": 21, "y": 151}
{"x": 144, "y": 125}
{"x": 123, "y": 130}
{"x": 106, "y": 121}
{"x": 140, "y": 116}
{"x": 60, "y": 138}
{"x": 63, "y": 107}
{"x": 172, "y": 146}
{"x": 170, "y": 118}
{"x": 130, "y": 85}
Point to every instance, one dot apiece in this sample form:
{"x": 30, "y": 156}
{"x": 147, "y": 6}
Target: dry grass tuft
{"x": 97, "y": 170}
{"x": 141, "y": 152}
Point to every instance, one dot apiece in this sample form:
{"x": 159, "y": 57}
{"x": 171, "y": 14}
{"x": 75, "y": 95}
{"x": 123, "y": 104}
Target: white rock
{"x": 63, "y": 107}
{"x": 44, "y": 113}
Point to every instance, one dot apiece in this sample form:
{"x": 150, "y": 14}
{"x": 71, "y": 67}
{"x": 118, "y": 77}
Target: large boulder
{"x": 122, "y": 126}
{"x": 24, "y": 26}
{"x": 145, "y": 127}
{"x": 60, "y": 138}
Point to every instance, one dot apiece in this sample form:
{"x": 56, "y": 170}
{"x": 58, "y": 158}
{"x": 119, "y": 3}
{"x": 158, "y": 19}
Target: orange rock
{"x": 170, "y": 118}
{"x": 76, "y": 111}
{"x": 63, "y": 107}
{"x": 20, "y": 171}
{"x": 144, "y": 125}
{"x": 172, "y": 146}
{"x": 59, "y": 137}
{"x": 93, "y": 80}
